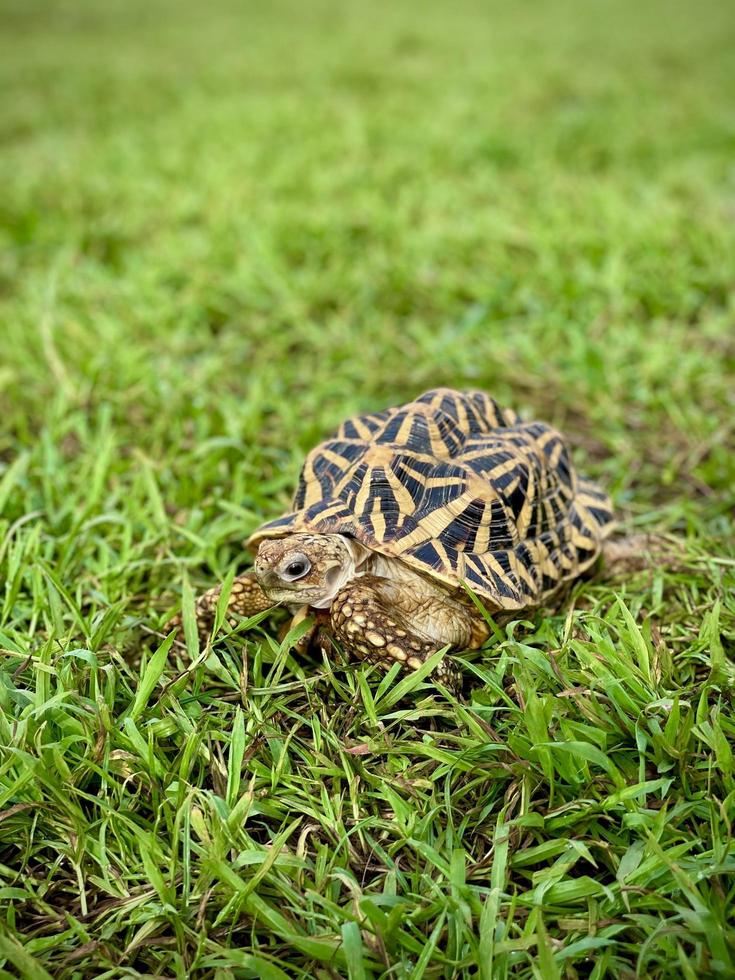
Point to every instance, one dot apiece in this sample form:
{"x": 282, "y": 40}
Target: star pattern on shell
{"x": 457, "y": 488}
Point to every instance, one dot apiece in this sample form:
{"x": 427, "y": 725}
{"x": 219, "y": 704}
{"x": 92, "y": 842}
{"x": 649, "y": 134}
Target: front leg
{"x": 246, "y": 599}
{"x": 375, "y": 619}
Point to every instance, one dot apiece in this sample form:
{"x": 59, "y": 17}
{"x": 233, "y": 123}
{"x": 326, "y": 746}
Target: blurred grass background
{"x": 225, "y": 227}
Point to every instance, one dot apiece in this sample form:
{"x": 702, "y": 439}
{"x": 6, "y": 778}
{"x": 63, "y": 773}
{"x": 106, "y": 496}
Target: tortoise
{"x": 405, "y": 514}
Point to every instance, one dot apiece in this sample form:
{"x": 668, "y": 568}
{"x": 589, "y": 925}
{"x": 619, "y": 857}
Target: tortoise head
{"x": 306, "y": 569}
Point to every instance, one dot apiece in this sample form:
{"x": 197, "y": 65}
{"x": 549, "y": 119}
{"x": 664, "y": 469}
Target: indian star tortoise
{"x": 403, "y": 513}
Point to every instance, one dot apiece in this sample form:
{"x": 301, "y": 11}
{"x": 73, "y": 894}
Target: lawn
{"x": 223, "y": 228}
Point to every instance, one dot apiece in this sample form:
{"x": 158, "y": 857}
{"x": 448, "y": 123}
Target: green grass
{"x": 223, "y": 228}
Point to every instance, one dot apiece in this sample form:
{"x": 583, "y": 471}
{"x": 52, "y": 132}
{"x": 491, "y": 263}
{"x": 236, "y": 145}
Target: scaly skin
{"x": 376, "y": 609}
{"x": 380, "y": 620}
{"x": 246, "y": 599}
{"x": 372, "y": 617}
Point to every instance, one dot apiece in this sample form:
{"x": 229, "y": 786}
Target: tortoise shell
{"x": 458, "y": 489}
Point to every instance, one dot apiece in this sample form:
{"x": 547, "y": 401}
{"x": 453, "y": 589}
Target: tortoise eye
{"x": 297, "y": 568}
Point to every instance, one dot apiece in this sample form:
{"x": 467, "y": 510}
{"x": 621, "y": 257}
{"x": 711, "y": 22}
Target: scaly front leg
{"x": 383, "y": 621}
{"x": 246, "y": 599}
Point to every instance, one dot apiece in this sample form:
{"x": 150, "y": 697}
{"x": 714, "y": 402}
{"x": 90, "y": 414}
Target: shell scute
{"x": 459, "y": 489}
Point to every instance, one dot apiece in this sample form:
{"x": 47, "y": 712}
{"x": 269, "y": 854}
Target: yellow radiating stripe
{"x": 438, "y": 446}
{"x": 487, "y": 414}
{"x": 437, "y": 521}
{"x": 524, "y": 518}
{"x": 567, "y": 563}
{"x": 544, "y": 438}
{"x": 333, "y": 511}
{"x": 538, "y": 550}
{"x": 486, "y": 449}
{"x": 404, "y": 431}
{"x": 352, "y": 467}
{"x": 362, "y": 429}
{"x": 463, "y": 420}
{"x": 511, "y": 487}
{"x": 414, "y": 457}
{"x": 482, "y": 538}
{"x": 580, "y": 541}
{"x": 339, "y": 487}
{"x": 436, "y": 400}
{"x": 555, "y": 455}
{"x": 586, "y": 518}
{"x": 333, "y": 457}
{"x": 377, "y": 520}
{"x": 439, "y": 481}
{"x": 511, "y": 524}
{"x": 313, "y": 489}
{"x": 418, "y": 536}
{"x": 500, "y": 469}
{"x": 550, "y": 515}
{"x": 406, "y": 503}
{"x": 442, "y": 552}
{"x": 548, "y": 518}
{"x": 364, "y": 492}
